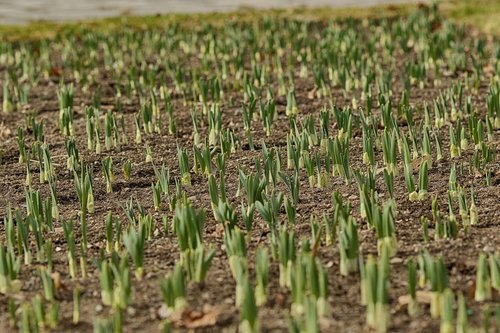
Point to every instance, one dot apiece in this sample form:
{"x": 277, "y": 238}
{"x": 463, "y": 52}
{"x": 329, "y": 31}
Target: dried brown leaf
{"x": 5, "y": 132}
{"x": 423, "y": 296}
{"x": 58, "y": 282}
{"x": 192, "y": 319}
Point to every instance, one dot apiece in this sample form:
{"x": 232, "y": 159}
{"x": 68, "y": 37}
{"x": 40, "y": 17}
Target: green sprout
{"x": 434, "y": 273}
{"x": 45, "y": 314}
{"x": 348, "y": 246}
{"x": 413, "y": 308}
{"x": 247, "y": 215}
{"x": 261, "y": 275}
{"x": 269, "y": 209}
{"x": 375, "y": 284}
{"x": 149, "y": 154}
{"x": 116, "y": 288}
{"x": 73, "y": 160}
{"x": 234, "y": 241}
{"x": 385, "y": 228}
{"x": 253, "y": 185}
{"x": 483, "y": 280}
{"x": 7, "y": 100}
{"x": 22, "y": 146}
{"x": 188, "y": 226}
{"x": 184, "y": 166}
{"x": 447, "y": 302}
{"x": 203, "y": 159}
{"x": 156, "y": 189}
{"x": 249, "y": 321}
{"x": 84, "y": 191}
{"x": 134, "y": 243}
{"x": 495, "y": 271}
{"x": 423, "y": 180}
{"x": 292, "y": 183}
{"x": 214, "y": 124}
{"x": 308, "y": 321}
{"x": 48, "y": 284}
{"x": 291, "y": 104}
{"x": 65, "y": 96}
{"x": 309, "y": 278}
{"x": 107, "y": 170}
{"x": 70, "y": 240}
{"x": 9, "y": 270}
{"x": 127, "y": 169}
{"x": 197, "y": 263}
{"x": 389, "y": 145}
{"x": 268, "y": 115}
{"x": 462, "y": 321}
{"x": 173, "y": 289}
{"x": 286, "y": 257}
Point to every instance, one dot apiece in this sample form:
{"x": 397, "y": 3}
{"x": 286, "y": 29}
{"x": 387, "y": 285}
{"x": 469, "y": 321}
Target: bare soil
{"x": 218, "y": 291}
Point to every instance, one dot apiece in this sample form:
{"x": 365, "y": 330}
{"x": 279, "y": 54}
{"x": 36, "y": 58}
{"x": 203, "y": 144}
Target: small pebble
{"x": 163, "y": 312}
{"x": 488, "y": 249}
{"x": 396, "y": 260}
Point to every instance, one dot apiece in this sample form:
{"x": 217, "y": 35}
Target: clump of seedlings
{"x": 272, "y": 153}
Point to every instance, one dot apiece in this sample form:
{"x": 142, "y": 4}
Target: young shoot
{"x": 134, "y": 243}
{"x": 127, "y": 169}
{"x": 376, "y": 285}
{"x": 107, "y": 170}
{"x": 447, "y": 317}
{"x": 182, "y": 156}
{"x": 413, "y": 308}
{"x": 483, "y": 279}
{"x": 348, "y": 246}
{"x": 173, "y": 288}
{"x": 286, "y": 256}
{"x": 116, "y": 287}
{"x": 234, "y": 241}
{"x": 385, "y": 229}
{"x": 9, "y": 270}
{"x": 197, "y": 263}
{"x": 70, "y": 241}
{"x": 249, "y": 321}
{"x": 261, "y": 275}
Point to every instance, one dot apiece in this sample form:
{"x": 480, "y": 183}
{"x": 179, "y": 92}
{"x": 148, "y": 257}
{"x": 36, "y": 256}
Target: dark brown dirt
{"x": 347, "y": 315}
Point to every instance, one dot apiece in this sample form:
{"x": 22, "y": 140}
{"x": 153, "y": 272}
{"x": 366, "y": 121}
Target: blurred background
{"x": 24, "y": 11}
